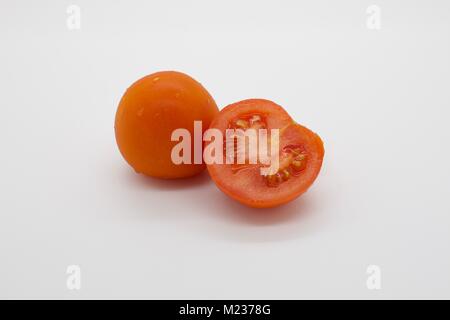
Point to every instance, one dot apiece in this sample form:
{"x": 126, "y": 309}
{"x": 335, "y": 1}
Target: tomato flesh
{"x": 300, "y": 156}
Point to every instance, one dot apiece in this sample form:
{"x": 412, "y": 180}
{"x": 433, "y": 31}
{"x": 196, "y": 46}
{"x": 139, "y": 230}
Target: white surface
{"x": 379, "y": 99}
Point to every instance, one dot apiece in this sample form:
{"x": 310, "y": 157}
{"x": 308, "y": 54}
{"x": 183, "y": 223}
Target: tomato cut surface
{"x": 300, "y": 154}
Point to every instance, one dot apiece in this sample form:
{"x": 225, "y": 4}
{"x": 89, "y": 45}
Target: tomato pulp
{"x": 300, "y": 151}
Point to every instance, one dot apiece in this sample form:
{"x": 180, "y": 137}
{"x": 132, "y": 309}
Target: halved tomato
{"x": 300, "y": 153}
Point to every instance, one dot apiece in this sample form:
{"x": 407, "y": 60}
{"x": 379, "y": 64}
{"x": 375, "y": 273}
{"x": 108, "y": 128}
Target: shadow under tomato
{"x": 208, "y": 211}
{"x": 142, "y": 181}
{"x": 265, "y": 216}
{"x": 295, "y": 219}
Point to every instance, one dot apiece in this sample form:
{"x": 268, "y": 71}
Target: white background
{"x": 379, "y": 99}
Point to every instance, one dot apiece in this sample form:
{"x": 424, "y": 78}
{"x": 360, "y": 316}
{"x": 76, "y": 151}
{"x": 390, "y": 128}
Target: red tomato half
{"x": 300, "y": 156}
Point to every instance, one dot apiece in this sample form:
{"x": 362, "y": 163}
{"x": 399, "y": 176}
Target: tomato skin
{"x": 150, "y": 110}
{"x": 248, "y": 186}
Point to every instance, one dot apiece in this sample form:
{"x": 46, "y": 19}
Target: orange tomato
{"x": 150, "y": 110}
